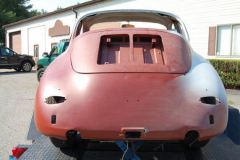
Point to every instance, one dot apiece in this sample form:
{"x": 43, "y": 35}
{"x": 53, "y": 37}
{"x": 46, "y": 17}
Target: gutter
{"x": 75, "y": 12}
{"x": 5, "y": 37}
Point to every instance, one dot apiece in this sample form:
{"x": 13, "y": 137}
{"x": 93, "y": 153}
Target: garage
{"x": 15, "y": 41}
{"x": 36, "y": 42}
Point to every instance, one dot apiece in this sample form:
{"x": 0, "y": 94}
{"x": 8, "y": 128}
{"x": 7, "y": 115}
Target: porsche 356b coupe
{"x": 140, "y": 80}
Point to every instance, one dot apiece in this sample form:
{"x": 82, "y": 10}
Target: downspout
{"x": 5, "y": 37}
{"x": 75, "y": 12}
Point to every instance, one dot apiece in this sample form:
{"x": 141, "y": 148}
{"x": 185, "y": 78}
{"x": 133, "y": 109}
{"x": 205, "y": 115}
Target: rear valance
{"x": 130, "y": 50}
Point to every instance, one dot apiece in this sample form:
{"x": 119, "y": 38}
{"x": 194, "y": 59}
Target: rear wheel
{"x": 191, "y": 140}
{"x": 40, "y": 74}
{"x": 26, "y": 66}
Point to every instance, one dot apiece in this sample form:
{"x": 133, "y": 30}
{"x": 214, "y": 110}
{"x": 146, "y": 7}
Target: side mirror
{"x": 45, "y": 54}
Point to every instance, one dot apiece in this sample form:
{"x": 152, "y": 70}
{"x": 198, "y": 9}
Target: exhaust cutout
{"x": 55, "y": 100}
{"x": 210, "y": 100}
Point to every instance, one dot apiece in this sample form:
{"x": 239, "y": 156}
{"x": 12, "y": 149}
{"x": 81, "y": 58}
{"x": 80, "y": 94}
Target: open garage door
{"x": 15, "y": 41}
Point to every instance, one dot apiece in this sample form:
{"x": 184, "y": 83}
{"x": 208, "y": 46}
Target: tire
{"x": 17, "y": 69}
{"x": 200, "y": 144}
{"x": 191, "y": 140}
{"x": 26, "y": 66}
{"x": 59, "y": 143}
{"x": 39, "y": 74}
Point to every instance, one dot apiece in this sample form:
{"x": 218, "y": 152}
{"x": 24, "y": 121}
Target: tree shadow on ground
{"x": 13, "y": 72}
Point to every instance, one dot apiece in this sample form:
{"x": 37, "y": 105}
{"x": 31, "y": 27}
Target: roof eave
{"x": 52, "y": 13}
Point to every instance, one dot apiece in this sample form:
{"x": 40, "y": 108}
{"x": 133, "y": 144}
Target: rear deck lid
{"x": 130, "y": 50}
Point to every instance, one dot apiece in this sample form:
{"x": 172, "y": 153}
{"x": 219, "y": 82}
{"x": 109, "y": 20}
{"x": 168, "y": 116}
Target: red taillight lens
{"x": 17, "y": 152}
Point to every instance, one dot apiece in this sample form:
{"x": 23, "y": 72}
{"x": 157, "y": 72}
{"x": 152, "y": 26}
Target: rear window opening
{"x": 145, "y": 39}
{"x": 116, "y": 39}
{"x": 148, "y": 49}
{"x": 125, "y": 24}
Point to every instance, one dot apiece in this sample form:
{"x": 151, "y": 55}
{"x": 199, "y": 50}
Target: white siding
{"x": 68, "y": 18}
{"x": 36, "y": 36}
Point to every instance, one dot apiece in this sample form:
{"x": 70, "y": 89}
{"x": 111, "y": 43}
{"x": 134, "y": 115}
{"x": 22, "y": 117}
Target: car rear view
{"x": 131, "y": 83}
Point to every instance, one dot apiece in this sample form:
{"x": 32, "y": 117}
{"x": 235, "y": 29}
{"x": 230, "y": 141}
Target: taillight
{"x": 17, "y": 152}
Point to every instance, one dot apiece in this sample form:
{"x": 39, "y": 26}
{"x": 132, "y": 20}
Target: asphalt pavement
{"x": 17, "y": 93}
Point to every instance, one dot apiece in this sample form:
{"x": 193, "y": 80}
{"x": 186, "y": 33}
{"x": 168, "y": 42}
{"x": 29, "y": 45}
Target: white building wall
{"x": 36, "y": 36}
{"x": 197, "y": 15}
{"x": 68, "y": 18}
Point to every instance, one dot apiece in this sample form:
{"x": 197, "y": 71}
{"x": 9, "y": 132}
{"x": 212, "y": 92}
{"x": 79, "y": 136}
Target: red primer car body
{"x": 115, "y": 81}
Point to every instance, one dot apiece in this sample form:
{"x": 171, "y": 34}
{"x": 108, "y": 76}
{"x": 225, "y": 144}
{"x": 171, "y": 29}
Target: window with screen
{"x": 228, "y": 38}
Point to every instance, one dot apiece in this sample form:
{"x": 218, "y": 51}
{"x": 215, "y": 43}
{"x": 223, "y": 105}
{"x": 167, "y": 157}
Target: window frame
{"x": 53, "y": 49}
{"x": 216, "y": 43}
{"x": 53, "y": 44}
{"x": 34, "y": 53}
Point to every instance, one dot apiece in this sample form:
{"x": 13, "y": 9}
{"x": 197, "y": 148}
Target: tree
{"x": 15, "y": 10}
{"x": 43, "y": 11}
{"x": 35, "y": 12}
{"x": 6, "y": 17}
{"x": 58, "y": 8}
{"x": 19, "y": 7}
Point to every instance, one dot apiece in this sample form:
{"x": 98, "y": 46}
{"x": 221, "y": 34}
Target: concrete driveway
{"x": 233, "y": 98}
{"x": 17, "y": 93}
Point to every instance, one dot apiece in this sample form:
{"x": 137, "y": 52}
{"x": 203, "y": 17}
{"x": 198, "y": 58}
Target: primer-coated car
{"x": 131, "y": 83}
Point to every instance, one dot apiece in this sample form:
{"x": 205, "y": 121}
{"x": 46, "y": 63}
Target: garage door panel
{"x": 15, "y": 42}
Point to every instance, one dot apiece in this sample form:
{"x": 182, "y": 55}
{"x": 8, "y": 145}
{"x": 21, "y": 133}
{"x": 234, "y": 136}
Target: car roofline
{"x": 160, "y": 13}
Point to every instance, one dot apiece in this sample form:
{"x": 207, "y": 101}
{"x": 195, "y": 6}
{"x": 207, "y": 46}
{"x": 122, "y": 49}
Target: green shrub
{"x": 229, "y": 71}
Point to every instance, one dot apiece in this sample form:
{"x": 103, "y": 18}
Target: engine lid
{"x": 130, "y": 50}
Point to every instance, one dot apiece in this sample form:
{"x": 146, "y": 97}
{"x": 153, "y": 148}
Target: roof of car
{"x": 164, "y": 18}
